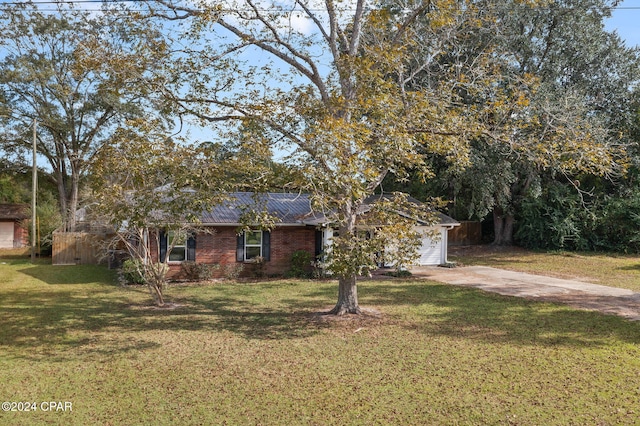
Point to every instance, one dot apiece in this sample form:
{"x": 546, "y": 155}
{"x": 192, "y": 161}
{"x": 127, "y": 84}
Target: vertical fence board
{"x": 75, "y": 248}
{"x": 468, "y": 233}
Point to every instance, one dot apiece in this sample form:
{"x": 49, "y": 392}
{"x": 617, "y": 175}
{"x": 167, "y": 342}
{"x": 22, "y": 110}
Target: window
{"x": 179, "y": 250}
{"x": 184, "y": 246}
{"x": 253, "y": 244}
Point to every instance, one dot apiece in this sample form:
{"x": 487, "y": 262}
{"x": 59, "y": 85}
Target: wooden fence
{"x": 76, "y": 248}
{"x": 468, "y": 233}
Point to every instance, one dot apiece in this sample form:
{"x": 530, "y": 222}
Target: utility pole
{"x": 34, "y": 189}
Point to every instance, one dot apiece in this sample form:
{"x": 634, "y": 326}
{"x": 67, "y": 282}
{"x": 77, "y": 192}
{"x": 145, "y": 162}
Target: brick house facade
{"x": 297, "y": 229}
{"x": 221, "y": 246}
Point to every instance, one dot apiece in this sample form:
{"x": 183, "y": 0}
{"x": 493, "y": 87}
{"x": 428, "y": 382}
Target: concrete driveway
{"x": 582, "y": 295}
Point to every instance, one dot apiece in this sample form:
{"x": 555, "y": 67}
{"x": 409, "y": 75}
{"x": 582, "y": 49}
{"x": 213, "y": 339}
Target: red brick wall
{"x": 284, "y": 242}
{"x": 20, "y": 235}
{"x": 219, "y": 247}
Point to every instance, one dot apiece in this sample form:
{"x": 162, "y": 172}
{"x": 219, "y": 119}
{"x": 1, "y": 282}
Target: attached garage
{"x": 435, "y": 242}
{"x": 434, "y": 250}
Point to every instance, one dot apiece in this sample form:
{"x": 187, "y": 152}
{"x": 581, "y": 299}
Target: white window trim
{"x": 170, "y": 236}
{"x": 247, "y": 245}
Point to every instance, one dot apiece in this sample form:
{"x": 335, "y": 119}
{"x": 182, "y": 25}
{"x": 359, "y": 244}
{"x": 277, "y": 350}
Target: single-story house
{"x": 297, "y": 228}
{"x": 13, "y": 232}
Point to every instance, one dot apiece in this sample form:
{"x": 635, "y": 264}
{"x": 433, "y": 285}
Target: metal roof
{"x": 288, "y": 208}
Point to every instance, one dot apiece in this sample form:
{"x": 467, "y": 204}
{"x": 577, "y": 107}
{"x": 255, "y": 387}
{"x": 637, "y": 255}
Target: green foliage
{"x": 79, "y": 75}
{"x": 618, "y": 225}
{"x": 301, "y": 263}
{"x": 143, "y": 180}
{"x": 13, "y": 190}
{"x": 560, "y": 220}
{"x": 198, "y": 271}
{"x": 555, "y": 220}
{"x": 554, "y": 108}
{"x": 400, "y": 273}
{"x": 132, "y": 272}
{"x": 352, "y": 256}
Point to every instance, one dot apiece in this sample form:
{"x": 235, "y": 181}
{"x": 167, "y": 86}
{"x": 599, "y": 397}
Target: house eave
{"x": 236, "y": 225}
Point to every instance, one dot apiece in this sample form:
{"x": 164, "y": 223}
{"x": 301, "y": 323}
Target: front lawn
{"x": 256, "y": 354}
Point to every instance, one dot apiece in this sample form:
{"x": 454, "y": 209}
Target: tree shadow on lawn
{"x": 634, "y": 267}
{"x": 58, "y": 324}
{"x": 474, "y": 314}
{"x": 70, "y": 274}
{"x": 61, "y": 322}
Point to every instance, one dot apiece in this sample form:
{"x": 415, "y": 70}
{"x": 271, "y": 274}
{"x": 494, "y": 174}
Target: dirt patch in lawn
{"x": 368, "y": 315}
{"x": 165, "y": 307}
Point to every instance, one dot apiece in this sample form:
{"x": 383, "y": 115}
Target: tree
{"x": 146, "y": 183}
{"x": 560, "y": 104}
{"x": 335, "y": 86}
{"x": 78, "y": 75}
{"x": 582, "y": 101}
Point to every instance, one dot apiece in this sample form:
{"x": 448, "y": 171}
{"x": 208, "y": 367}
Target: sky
{"x": 626, "y": 21}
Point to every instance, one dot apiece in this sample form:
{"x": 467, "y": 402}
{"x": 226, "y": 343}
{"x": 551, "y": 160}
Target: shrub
{"x": 258, "y": 267}
{"x": 557, "y": 220}
{"x": 300, "y": 264}
{"x": 198, "y": 271}
{"x": 132, "y": 272}
{"x": 560, "y": 220}
{"x": 400, "y": 273}
{"x": 618, "y": 224}
{"x": 232, "y": 271}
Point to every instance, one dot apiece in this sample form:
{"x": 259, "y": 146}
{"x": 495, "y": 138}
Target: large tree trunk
{"x": 73, "y": 198}
{"x": 62, "y": 197}
{"x": 347, "y": 289}
{"x": 347, "y": 297}
{"x": 502, "y": 227}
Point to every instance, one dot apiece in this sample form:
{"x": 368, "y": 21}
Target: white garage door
{"x": 6, "y": 234}
{"x": 431, "y": 251}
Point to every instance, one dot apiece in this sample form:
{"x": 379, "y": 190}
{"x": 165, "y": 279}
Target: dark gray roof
{"x": 289, "y": 208}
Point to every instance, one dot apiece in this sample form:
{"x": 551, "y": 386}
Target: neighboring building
{"x": 13, "y": 232}
{"x": 297, "y": 228}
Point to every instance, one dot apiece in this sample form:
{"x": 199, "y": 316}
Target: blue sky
{"x": 626, "y": 21}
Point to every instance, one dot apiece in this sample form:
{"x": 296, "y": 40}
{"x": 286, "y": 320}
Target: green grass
{"x": 615, "y": 270}
{"x": 256, "y": 354}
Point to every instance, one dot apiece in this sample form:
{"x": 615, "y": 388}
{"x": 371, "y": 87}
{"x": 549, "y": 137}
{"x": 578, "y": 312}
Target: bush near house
{"x": 198, "y": 271}
{"x": 131, "y": 272}
{"x": 301, "y": 265}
